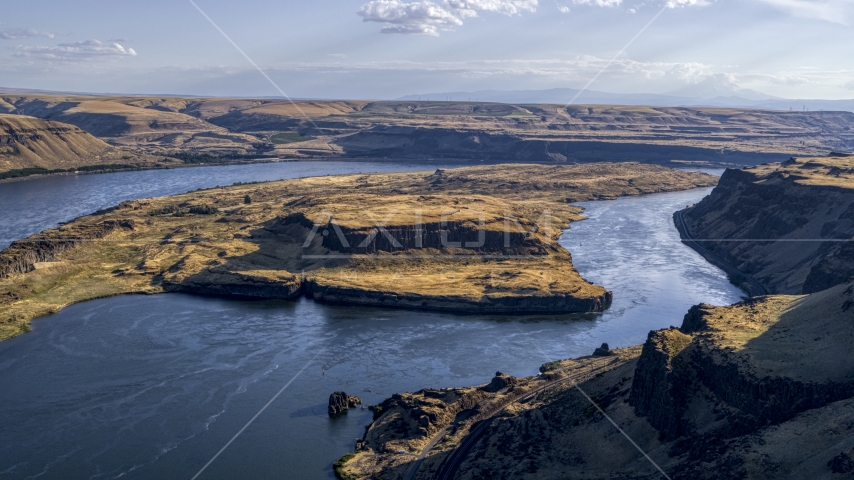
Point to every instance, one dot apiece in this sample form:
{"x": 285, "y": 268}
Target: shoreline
{"x": 749, "y": 284}
{"x": 675, "y": 164}
{"x": 263, "y": 160}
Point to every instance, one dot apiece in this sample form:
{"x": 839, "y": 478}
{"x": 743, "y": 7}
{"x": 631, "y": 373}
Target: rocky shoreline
{"x": 701, "y": 400}
{"x": 763, "y": 389}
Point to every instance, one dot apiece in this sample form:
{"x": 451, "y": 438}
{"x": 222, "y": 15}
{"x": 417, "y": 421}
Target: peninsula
{"x": 477, "y": 239}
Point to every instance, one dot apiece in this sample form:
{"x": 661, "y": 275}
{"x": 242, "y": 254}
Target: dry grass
{"x": 805, "y": 337}
{"x": 815, "y": 171}
{"x": 53, "y": 145}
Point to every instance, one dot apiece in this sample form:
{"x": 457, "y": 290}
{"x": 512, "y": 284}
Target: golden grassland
{"x": 833, "y": 171}
{"x": 213, "y": 242}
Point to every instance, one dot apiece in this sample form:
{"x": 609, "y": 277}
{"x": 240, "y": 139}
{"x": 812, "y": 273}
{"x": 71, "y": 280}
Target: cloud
{"x": 427, "y": 17}
{"x": 849, "y": 85}
{"x": 685, "y": 3}
{"x": 120, "y": 39}
{"x": 76, "y": 51}
{"x": 17, "y": 33}
{"x": 836, "y": 11}
{"x": 633, "y": 9}
{"x": 691, "y": 72}
{"x": 599, "y": 3}
{"x": 562, "y": 8}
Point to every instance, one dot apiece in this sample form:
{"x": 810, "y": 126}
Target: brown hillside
{"x": 27, "y": 142}
{"x": 461, "y": 131}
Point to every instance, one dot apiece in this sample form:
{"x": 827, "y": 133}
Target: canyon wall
{"x": 788, "y": 226}
{"x": 451, "y": 143}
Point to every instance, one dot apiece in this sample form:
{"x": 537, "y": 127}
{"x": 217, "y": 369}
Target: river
{"x": 155, "y": 386}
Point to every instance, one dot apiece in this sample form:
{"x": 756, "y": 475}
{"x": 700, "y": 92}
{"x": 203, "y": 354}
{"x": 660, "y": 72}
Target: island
{"x": 469, "y": 240}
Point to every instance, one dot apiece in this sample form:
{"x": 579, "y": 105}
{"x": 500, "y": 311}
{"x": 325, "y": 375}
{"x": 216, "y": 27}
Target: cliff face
{"x": 416, "y": 142}
{"x": 522, "y": 303}
{"x": 228, "y": 283}
{"x": 471, "y": 234}
{"x": 660, "y": 390}
{"x": 788, "y": 226}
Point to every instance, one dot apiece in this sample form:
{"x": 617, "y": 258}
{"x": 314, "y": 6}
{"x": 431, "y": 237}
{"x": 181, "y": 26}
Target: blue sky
{"x": 375, "y": 49}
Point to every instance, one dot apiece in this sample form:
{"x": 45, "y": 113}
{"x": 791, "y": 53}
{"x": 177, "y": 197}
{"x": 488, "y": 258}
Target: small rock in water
{"x": 340, "y": 402}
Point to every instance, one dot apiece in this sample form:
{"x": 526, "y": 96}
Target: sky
{"x": 384, "y": 49}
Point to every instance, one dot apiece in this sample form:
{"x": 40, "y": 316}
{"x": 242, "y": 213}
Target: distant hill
{"x": 31, "y": 145}
{"x": 713, "y": 92}
{"x": 201, "y": 130}
{"x": 558, "y": 96}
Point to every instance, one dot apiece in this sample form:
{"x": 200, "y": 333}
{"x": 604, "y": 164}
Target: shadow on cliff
{"x": 275, "y": 269}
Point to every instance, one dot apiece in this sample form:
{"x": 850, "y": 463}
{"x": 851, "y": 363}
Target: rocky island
{"x": 478, "y": 239}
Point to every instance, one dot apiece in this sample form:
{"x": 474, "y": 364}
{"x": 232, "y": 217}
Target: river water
{"x": 155, "y": 386}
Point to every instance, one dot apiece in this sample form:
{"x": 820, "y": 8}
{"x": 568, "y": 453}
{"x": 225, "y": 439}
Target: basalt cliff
{"x": 779, "y": 228}
{"x": 763, "y": 389}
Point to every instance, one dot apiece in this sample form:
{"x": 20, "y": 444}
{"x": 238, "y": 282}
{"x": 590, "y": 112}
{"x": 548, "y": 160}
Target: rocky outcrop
{"x": 436, "y": 235}
{"x": 500, "y": 381}
{"x": 505, "y": 304}
{"x": 340, "y": 402}
{"x": 227, "y": 283}
{"x": 762, "y": 361}
{"x": 603, "y": 351}
{"x": 786, "y": 226}
{"x": 662, "y": 381}
{"x": 22, "y": 255}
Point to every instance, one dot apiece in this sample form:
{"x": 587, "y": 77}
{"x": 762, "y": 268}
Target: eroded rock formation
{"x": 340, "y": 402}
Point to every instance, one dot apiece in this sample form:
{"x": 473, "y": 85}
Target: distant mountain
{"x": 713, "y": 92}
{"x": 720, "y": 86}
{"x": 554, "y": 95}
